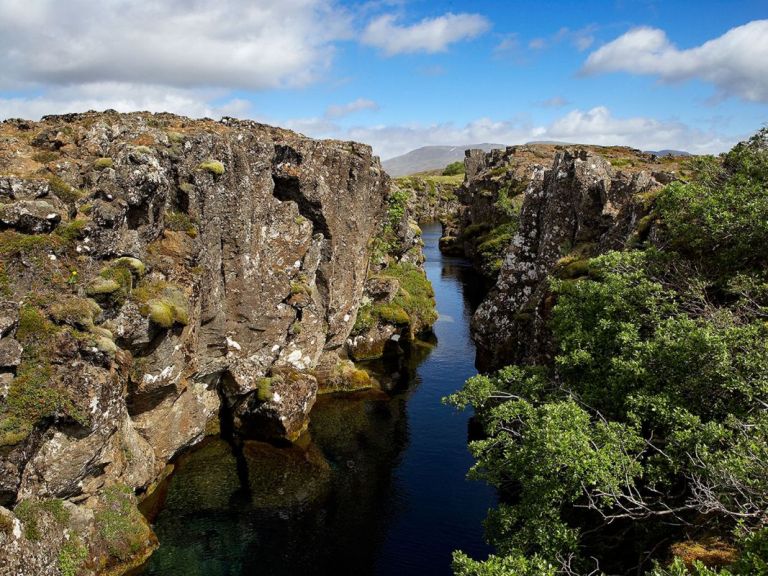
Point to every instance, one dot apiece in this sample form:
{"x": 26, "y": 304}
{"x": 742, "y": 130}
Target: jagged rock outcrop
{"x": 431, "y": 197}
{"x": 492, "y": 194}
{"x": 152, "y": 268}
{"x": 576, "y": 208}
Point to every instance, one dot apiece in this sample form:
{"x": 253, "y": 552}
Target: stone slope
{"x": 155, "y": 268}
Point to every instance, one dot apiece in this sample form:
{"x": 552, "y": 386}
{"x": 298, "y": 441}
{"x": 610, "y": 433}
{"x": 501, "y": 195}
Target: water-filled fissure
{"x": 378, "y": 486}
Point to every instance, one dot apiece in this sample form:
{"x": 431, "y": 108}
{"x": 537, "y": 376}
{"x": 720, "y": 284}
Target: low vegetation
{"x": 213, "y": 166}
{"x": 650, "y": 426}
{"x": 413, "y": 305}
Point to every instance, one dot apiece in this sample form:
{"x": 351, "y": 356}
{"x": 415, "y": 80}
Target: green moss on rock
{"x": 103, "y": 163}
{"x": 213, "y": 166}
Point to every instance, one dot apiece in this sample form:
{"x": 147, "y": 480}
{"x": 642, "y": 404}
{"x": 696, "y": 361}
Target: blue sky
{"x": 400, "y": 74}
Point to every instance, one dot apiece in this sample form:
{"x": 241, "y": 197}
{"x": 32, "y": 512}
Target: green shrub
{"x": 651, "y": 407}
{"x": 453, "y": 169}
{"x": 722, "y": 215}
{"x": 72, "y": 557}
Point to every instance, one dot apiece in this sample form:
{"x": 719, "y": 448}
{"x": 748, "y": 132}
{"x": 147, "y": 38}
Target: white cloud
{"x": 736, "y": 62}
{"x": 124, "y": 97}
{"x": 509, "y": 46}
{"x": 430, "y": 35}
{"x": 554, "y": 102}
{"x": 537, "y": 44}
{"x": 595, "y": 126}
{"x": 599, "y": 126}
{"x": 581, "y": 39}
{"x": 341, "y": 110}
{"x": 179, "y": 43}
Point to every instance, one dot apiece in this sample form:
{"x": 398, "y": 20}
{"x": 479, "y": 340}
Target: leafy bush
{"x": 453, "y": 169}
{"x": 722, "y": 215}
{"x": 652, "y": 412}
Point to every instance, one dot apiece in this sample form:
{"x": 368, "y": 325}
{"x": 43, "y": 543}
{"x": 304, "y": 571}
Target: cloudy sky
{"x": 399, "y": 74}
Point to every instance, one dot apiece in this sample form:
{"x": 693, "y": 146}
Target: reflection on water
{"x": 378, "y": 488}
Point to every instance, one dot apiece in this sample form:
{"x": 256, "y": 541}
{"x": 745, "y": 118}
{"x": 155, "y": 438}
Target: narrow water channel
{"x": 378, "y": 487}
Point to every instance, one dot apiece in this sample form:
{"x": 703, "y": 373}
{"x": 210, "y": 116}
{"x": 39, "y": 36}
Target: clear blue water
{"x": 379, "y": 486}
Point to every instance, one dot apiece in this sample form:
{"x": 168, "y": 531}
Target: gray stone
{"x": 10, "y": 353}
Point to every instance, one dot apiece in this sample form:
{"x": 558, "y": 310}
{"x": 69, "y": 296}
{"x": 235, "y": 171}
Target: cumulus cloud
{"x": 595, "y": 126}
{"x": 600, "y": 126}
{"x": 124, "y": 97}
{"x": 180, "y": 43}
{"x": 736, "y": 62}
{"x": 341, "y": 110}
{"x": 431, "y": 35}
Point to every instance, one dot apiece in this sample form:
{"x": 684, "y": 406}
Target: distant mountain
{"x": 430, "y": 158}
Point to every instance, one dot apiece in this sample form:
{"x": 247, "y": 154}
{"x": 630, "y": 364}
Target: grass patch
{"x": 621, "y": 162}
{"x": 163, "y": 303}
{"x": 29, "y": 512}
{"x": 72, "y": 556}
{"x": 120, "y": 524}
{"x": 181, "y": 222}
{"x": 76, "y": 312}
{"x": 64, "y": 191}
{"x": 15, "y": 244}
{"x": 45, "y": 156}
{"x": 414, "y": 302}
{"x": 71, "y": 231}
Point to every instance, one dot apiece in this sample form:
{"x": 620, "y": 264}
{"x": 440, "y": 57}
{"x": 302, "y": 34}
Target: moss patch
{"x": 121, "y": 527}
{"x": 64, "y": 191}
{"x": 30, "y": 512}
{"x": 163, "y": 303}
{"x": 103, "y": 163}
{"x": 213, "y": 166}
{"x": 181, "y": 222}
{"x": 413, "y": 305}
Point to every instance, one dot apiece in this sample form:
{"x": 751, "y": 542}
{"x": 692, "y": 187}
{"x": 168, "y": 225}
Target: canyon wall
{"x": 531, "y": 212}
{"x": 156, "y": 273}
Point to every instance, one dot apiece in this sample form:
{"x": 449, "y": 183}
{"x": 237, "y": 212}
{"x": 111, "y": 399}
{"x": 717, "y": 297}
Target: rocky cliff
{"x": 156, "y": 274}
{"x": 574, "y": 203}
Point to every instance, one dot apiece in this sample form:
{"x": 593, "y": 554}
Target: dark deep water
{"x": 379, "y": 489}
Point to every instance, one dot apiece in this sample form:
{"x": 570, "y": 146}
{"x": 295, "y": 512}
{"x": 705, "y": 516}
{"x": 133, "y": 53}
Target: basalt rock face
{"x": 576, "y": 208}
{"x": 153, "y": 267}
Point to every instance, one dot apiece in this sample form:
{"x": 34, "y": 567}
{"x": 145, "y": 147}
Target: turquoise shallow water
{"x": 379, "y": 489}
